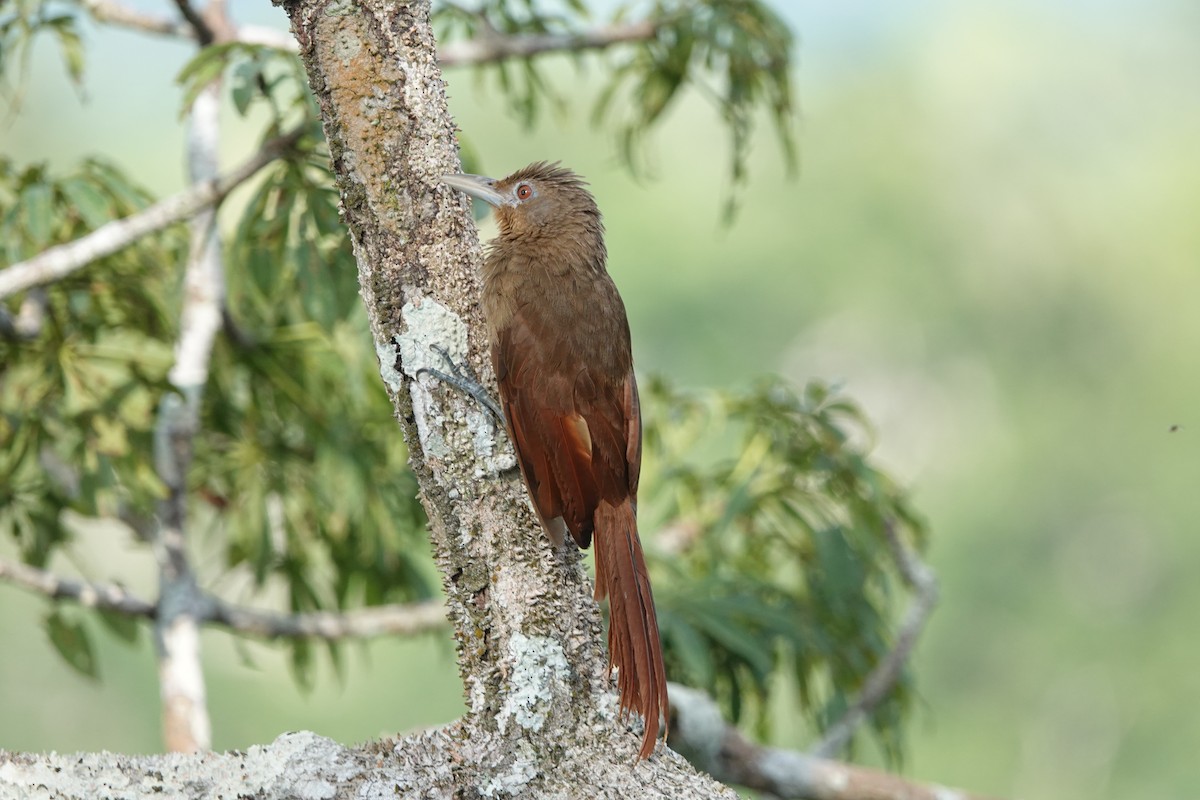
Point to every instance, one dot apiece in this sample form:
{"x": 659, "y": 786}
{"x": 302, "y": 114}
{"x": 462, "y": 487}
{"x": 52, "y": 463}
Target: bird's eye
{"x": 524, "y": 191}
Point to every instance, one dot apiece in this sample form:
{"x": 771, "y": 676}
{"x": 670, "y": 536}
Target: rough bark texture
{"x": 304, "y": 766}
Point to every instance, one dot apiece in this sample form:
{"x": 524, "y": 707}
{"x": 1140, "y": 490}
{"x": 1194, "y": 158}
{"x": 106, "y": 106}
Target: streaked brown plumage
{"x": 560, "y": 348}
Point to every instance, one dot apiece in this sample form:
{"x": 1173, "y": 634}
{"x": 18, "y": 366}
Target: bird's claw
{"x": 463, "y": 378}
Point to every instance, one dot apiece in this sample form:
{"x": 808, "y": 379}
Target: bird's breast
{"x": 572, "y": 313}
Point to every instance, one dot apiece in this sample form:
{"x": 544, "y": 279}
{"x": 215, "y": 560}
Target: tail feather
{"x": 633, "y": 643}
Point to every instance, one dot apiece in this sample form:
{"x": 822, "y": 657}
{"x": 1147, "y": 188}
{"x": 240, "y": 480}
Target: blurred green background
{"x": 993, "y": 242}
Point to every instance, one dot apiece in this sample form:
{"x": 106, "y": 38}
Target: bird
{"x": 560, "y": 348}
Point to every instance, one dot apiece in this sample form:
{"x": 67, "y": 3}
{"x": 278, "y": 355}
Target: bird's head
{"x": 539, "y": 199}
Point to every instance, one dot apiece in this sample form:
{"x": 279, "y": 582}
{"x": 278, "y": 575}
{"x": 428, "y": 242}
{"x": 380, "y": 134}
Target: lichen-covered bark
{"x": 304, "y": 766}
{"x": 541, "y": 718}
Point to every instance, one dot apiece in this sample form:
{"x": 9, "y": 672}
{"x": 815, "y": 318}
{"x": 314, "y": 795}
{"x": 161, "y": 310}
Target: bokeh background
{"x": 993, "y": 242}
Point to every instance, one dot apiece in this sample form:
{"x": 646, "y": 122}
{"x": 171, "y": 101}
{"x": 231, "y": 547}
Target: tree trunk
{"x": 542, "y": 717}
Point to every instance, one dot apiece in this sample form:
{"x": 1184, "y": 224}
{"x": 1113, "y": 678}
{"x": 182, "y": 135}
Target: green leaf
{"x": 196, "y": 75}
{"x": 111, "y": 436}
{"x": 334, "y": 649}
{"x": 71, "y": 46}
{"x": 245, "y": 85}
{"x": 244, "y": 653}
{"x": 72, "y": 643}
{"x": 685, "y": 643}
{"x": 788, "y": 570}
{"x": 839, "y": 570}
{"x": 123, "y": 626}
{"x": 125, "y": 196}
{"x": 88, "y": 201}
{"x": 304, "y": 668}
{"x": 37, "y": 204}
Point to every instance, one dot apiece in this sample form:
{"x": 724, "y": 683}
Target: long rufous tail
{"x": 633, "y": 644}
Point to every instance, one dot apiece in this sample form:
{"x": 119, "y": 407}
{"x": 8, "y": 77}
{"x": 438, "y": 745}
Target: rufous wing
{"x": 578, "y": 439}
{"x": 573, "y": 431}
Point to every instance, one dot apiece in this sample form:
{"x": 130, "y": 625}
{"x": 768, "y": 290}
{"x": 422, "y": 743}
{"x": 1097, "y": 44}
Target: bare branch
{"x": 362, "y": 623}
{"x": 485, "y": 49}
{"x": 920, "y": 578}
{"x": 701, "y": 735}
{"x": 491, "y": 48}
{"x": 404, "y": 619}
{"x": 100, "y": 596}
{"x": 115, "y": 13}
{"x": 61, "y": 260}
{"x": 203, "y": 32}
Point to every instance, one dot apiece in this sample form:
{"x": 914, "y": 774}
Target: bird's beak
{"x": 477, "y": 186}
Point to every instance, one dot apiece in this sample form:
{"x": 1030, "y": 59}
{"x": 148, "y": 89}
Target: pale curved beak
{"x": 477, "y": 186}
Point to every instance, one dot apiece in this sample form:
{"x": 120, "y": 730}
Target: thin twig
{"x": 59, "y": 261}
{"x": 492, "y": 48}
{"x": 920, "y": 579}
{"x": 701, "y": 735}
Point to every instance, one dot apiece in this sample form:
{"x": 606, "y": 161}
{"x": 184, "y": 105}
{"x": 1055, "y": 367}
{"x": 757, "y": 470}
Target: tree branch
{"x": 59, "y": 261}
{"x": 363, "y": 623}
{"x": 698, "y": 731}
{"x": 486, "y": 49}
{"x": 921, "y": 580}
{"x": 181, "y": 603}
{"x": 201, "y": 30}
{"x": 115, "y": 13}
{"x": 100, "y": 596}
{"x": 112, "y": 12}
{"x": 491, "y": 48}
{"x": 405, "y": 619}
{"x": 701, "y": 735}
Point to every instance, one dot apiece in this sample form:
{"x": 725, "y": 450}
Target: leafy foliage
{"x": 741, "y": 44}
{"x": 92, "y": 367}
{"x": 298, "y": 467}
{"x": 69, "y": 637}
{"x": 522, "y": 82}
{"x": 21, "y": 22}
{"x": 258, "y": 74}
{"x": 778, "y": 551}
{"x": 297, "y": 419}
{"x": 778, "y": 563}
{"x": 737, "y": 53}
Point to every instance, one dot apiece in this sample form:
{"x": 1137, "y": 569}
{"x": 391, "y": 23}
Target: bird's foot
{"x": 463, "y": 378}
